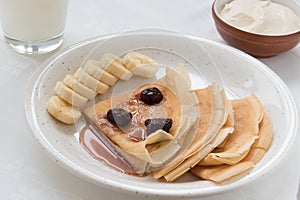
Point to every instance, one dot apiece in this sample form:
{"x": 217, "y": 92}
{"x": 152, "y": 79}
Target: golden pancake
{"x": 222, "y": 173}
{"x": 178, "y": 103}
{"x": 181, "y": 69}
{"x": 214, "y": 109}
{"x": 262, "y": 144}
{"x": 248, "y": 113}
{"x": 193, "y": 160}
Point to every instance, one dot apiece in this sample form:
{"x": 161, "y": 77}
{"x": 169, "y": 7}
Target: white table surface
{"x": 27, "y": 173}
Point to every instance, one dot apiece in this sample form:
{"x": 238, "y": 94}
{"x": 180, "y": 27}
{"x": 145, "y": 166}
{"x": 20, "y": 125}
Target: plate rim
{"x": 86, "y": 175}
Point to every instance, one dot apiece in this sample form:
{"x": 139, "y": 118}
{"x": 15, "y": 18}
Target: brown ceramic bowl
{"x": 255, "y": 44}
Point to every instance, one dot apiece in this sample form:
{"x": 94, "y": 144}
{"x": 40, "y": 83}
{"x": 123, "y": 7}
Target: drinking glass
{"x": 33, "y": 26}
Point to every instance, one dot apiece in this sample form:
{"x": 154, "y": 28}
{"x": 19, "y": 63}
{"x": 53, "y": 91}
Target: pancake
{"x": 193, "y": 160}
{"x": 223, "y": 173}
{"x": 264, "y": 141}
{"x": 214, "y": 109}
{"x": 181, "y": 69}
{"x": 248, "y": 113}
{"x": 142, "y": 151}
{"x": 227, "y": 173}
{"x": 128, "y": 138}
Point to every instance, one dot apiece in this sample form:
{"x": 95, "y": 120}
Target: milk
{"x": 33, "y": 20}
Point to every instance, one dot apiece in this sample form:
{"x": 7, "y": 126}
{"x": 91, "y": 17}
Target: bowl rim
{"x": 248, "y": 33}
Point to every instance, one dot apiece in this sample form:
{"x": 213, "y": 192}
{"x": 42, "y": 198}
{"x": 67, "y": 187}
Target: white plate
{"x": 239, "y": 73}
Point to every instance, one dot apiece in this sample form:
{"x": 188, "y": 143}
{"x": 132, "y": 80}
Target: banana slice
{"x": 82, "y": 76}
{"x": 69, "y": 95}
{"x": 114, "y": 65}
{"x": 62, "y": 111}
{"x": 92, "y": 68}
{"x": 78, "y": 87}
{"x": 140, "y": 64}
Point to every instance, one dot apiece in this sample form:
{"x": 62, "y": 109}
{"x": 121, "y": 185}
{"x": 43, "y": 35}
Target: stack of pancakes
{"x": 234, "y": 149}
{"x": 215, "y": 138}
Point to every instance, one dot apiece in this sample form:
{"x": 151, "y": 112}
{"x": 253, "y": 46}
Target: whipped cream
{"x": 261, "y": 17}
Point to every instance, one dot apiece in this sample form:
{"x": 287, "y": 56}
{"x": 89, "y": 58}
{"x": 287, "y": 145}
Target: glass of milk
{"x": 33, "y": 26}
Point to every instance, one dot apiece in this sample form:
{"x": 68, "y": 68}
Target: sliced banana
{"x": 62, "y": 111}
{"x": 82, "y": 76}
{"x": 140, "y": 64}
{"x": 69, "y": 95}
{"x": 92, "y": 68}
{"x": 78, "y": 87}
{"x": 114, "y": 65}
{"x": 95, "y": 78}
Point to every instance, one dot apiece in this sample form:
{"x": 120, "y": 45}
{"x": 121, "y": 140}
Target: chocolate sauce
{"x": 95, "y": 145}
